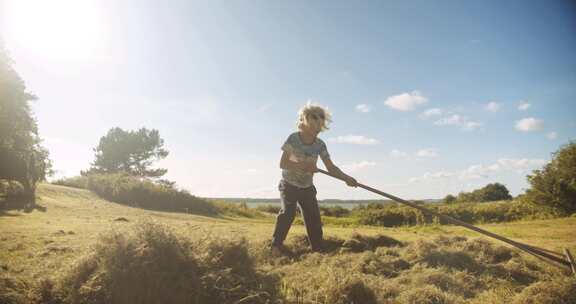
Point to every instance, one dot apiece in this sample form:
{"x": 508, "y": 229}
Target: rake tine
{"x": 571, "y": 260}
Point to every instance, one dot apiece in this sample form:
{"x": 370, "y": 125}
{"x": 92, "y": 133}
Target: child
{"x": 298, "y": 163}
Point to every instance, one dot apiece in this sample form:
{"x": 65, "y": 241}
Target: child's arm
{"x": 287, "y": 164}
{"x": 333, "y": 169}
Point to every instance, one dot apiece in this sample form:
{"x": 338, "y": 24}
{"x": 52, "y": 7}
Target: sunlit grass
{"x": 40, "y": 245}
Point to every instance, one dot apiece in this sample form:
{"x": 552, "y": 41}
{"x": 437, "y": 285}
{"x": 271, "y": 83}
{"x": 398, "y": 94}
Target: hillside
{"x": 45, "y": 244}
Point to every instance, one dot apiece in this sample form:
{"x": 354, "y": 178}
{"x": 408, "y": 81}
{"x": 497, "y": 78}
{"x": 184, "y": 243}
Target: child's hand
{"x": 350, "y": 181}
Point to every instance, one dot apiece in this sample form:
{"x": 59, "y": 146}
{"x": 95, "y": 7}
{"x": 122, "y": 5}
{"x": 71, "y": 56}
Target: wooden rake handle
{"x": 548, "y": 256}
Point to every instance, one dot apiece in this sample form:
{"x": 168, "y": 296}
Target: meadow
{"x": 85, "y": 249}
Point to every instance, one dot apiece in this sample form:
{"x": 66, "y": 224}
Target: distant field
{"x": 321, "y": 204}
{"x": 348, "y": 204}
{"x": 253, "y": 203}
{"x": 42, "y": 245}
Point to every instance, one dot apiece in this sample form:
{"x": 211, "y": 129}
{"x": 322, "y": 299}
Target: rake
{"x": 564, "y": 261}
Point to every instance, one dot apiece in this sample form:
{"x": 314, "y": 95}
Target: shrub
{"x": 10, "y": 188}
{"x": 491, "y": 212}
{"x": 335, "y": 211}
{"x": 269, "y": 209}
{"x": 554, "y": 186}
{"x": 449, "y": 199}
{"x": 233, "y": 209}
{"x": 142, "y": 193}
{"x": 489, "y": 193}
{"x": 74, "y": 182}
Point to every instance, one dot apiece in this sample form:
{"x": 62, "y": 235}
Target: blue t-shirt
{"x": 300, "y": 152}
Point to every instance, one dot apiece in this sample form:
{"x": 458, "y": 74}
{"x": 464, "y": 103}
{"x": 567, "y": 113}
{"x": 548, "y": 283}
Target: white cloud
{"x": 458, "y": 120}
{"x": 354, "y": 139}
{"x": 426, "y": 153}
{"x": 552, "y": 135}
{"x": 358, "y": 165}
{"x": 520, "y": 165}
{"x": 452, "y": 120}
{"x": 478, "y": 171}
{"x": 431, "y": 113}
{"x": 523, "y": 106}
{"x": 406, "y": 101}
{"x": 472, "y": 125}
{"x": 529, "y": 124}
{"x": 398, "y": 154}
{"x": 363, "y": 108}
{"x": 492, "y": 106}
{"x": 264, "y": 108}
{"x": 435, "y": 175}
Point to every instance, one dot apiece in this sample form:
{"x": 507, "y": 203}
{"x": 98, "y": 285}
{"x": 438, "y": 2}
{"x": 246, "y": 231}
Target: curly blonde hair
{"x": 313, "y": 108}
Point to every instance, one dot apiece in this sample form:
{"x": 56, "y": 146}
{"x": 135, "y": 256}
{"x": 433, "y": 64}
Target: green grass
{"x": 43, "y": 245}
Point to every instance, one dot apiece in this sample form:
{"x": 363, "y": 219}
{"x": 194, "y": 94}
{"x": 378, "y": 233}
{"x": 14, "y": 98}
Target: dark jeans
{"x": 306, "y": 198}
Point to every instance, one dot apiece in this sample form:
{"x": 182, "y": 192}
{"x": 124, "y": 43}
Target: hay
{"x": 558, "y": 291}
{"x": 12, "y": 290}
{"x": 428, "y": 295}
{"x": 154, "y": 265}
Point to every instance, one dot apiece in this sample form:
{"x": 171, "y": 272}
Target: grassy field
{"x": 48, "y": 245}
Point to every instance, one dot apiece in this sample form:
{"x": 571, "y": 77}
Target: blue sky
{"x": 428, "y": 97}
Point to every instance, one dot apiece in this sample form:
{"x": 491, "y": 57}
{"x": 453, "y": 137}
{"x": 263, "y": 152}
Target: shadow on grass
{"x": 7, "y": 208}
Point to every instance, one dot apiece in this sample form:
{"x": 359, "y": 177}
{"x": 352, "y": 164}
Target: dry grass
{"x": 77, "y": 252}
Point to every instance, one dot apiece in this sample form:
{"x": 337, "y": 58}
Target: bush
{"x": 449, "y": 199}
{"x": 489, "y": 193}
{"x": 233, "y": 209}
{"x": 335, "y": 211}
{"x": 155, "y": 195}
{"x": 390, "y": 215}
{"x": 142, "y": 193}
{"x": 269, "y": 209}
{"x": 74, "y": 182}
{"x": 555, "y": 185}
{"x": 474, "y": 213}
{"x": 11, "y": 194}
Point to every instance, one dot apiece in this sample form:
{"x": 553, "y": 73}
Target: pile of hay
{"x": 441, "y": 270}
{"x": 153, "y": 265}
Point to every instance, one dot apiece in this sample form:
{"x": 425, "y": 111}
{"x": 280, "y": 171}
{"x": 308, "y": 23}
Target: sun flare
{"x": 58, "y": 30}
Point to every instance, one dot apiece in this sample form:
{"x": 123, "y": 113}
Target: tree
{"x": 493, "y": 192}
{"x": 22, "y": 158}
{"x": 488, "y": 193}
{"x": 449, "y": 199}
{"x": 555, "y": 185}
{"x": 132, "y": 152}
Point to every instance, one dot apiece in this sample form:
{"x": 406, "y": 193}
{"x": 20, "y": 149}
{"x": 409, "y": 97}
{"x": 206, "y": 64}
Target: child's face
{"x": 315, "y": 121}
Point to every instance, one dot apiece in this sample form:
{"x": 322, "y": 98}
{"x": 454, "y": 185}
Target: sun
{"x": 55, "y": 30}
